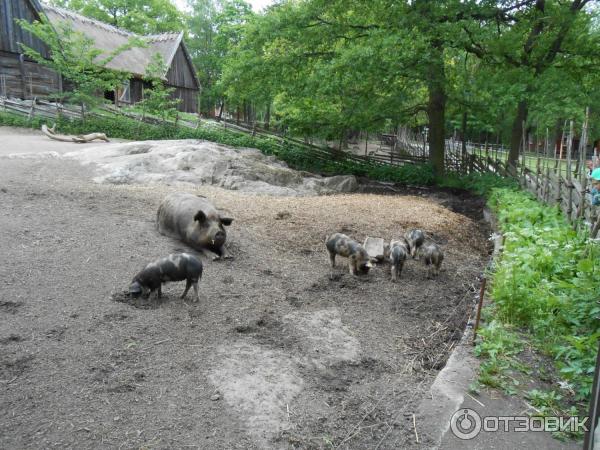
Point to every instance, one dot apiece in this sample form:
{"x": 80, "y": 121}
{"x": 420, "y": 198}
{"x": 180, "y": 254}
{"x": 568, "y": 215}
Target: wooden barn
{"x": 19, "y": 76}
{"x": 179, "y": 74}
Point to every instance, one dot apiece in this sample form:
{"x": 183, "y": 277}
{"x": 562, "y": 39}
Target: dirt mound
{"x": 203, "y": 162}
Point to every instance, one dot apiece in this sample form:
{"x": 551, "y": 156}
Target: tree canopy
{"x": 138, "y": 16}
{"x": 328, "y": 67}
{"x": 481, "y": 69}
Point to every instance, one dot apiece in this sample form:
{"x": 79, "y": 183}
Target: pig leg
{"x": 394, "y": 273}
{"x": 222, "y": 253}
{"x": 195, "y": 285}
{"x": 159, "y": 291}
{"x": 352, "y": 266}
{"x": 332, "y": 259}
{"x": 188, "y": 284}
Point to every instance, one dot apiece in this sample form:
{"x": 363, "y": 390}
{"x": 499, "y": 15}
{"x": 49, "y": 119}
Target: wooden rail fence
{"x": 559, "y": 181}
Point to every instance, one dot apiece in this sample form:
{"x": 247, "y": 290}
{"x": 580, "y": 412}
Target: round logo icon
{"x": 465, "y": 424}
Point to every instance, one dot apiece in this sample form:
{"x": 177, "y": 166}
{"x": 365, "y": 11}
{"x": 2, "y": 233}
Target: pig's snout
{"x": 218, "y": 239}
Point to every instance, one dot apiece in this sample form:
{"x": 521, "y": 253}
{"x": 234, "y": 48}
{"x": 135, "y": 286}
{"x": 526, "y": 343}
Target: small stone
{"x": 215, "y": 397}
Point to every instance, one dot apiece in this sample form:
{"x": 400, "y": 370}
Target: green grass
{"x": 546, "y": 285}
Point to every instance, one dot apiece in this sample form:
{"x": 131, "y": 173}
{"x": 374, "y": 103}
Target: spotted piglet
{"x": 398, "y": 253}
{"x": 175, "y": 267}
{"x": 358, "y": 258}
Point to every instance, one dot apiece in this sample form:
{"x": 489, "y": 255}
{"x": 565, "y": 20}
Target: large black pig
{"x": 194, "y": 220}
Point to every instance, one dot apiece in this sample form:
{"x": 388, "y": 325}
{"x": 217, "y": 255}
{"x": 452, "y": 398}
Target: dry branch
{"x": 79, "y": 139}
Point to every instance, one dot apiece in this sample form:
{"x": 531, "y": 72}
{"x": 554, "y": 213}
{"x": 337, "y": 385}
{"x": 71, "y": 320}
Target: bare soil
{"x": 281, "y": 352}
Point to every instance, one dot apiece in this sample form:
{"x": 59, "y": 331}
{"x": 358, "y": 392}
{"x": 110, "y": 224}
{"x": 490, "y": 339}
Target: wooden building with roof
{"x": 179, "y": 70}
{"x": 20, "y": 76}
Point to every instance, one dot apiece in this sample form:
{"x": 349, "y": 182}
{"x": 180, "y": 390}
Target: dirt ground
{"x": 281, "y": 352}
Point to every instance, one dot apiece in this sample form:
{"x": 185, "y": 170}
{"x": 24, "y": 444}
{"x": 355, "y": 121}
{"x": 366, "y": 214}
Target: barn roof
{"x": 36, "y": 6}
{"x": 109, "y": 38}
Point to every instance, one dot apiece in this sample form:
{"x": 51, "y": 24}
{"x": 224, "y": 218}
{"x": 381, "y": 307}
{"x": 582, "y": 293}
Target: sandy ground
{"x": 22, "y": 140}
{"x": 281, "y": 352}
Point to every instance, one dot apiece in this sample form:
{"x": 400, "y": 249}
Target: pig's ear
{"x": 200, "y": 216}
{"x": 226, "y": 221}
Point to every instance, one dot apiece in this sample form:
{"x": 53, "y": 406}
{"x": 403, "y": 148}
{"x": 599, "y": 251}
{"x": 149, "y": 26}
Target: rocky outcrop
{"x": 203, "y": 162}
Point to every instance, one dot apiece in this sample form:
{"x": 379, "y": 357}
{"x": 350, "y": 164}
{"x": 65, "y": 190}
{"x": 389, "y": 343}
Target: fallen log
{"x": 79, "y": 139}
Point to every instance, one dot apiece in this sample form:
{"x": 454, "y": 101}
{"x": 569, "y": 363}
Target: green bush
{"x": 479, "y": 183}
{"x": 548, "y": 283}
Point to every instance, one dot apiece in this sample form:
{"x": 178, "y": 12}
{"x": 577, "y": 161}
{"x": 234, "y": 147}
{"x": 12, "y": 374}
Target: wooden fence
{"x": 560, "y": 181}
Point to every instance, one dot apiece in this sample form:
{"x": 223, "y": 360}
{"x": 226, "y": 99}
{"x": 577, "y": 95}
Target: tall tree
{"x": 138, "y": 16}
{"x": 538, "y": 37}
{"x": 215, "y": 28}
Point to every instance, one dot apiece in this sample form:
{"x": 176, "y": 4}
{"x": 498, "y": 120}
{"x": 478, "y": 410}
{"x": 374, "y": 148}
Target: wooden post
{"x": 548, "y": 183}
{"x": 479, "y": 306}
{"x": 589, "y": 442}
{"x": 583, "y": 167}
{"x": 32, "y": 110}
{"x": 546, "y": 169}
{"x": 524, "y": 143}
{"x": 562, "y": 139}
{"x": 22, "y": 74}
{"x": 366, "y": 142}
{"x": 569, "y": 184}
{"x": 595, "y": 227}
{"x": 538, "y": 174}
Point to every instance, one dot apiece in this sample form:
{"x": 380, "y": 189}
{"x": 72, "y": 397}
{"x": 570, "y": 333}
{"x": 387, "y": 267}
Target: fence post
{"x": 32, "y": 110}
{"x": 570, "y": 174}
{"x": 594, "y": 411}
{"x": 538, "y": 179}
{"x": 548, "y": 183}
{"x": 559, "y": 191}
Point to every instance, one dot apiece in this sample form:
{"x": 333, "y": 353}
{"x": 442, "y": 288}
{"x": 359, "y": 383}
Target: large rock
{"x": 203, "y": 162}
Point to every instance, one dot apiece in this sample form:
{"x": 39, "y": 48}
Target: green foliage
{"x": 77, "y": 60}
{"x": 329, "y": 67}
{"x": 158, "y": 100}
{"x": 547, "y": 283}
{"x": 139, "y": 16}
{"x": 498, "y": 344}
{"x": 550, "y": 404}
{"x": 215, "y": 29}
{"x": 479, "y": 183}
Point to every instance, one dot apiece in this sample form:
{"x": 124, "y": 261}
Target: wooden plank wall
{"x": 25, "y": 79}
{"x": 188, "y": 97}
{"x": 12, "y": 34}
{"x": 180, "y": 73}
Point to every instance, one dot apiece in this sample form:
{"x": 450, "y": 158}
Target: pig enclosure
{"x": 281, "y": 352}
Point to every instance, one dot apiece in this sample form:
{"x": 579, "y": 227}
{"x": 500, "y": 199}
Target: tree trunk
{"x": 436, "y": 108}
{"x": 463, "y": 132}
{"x": 517, "y": 133}
{"x": 220, "y": 116}
{"x": 268, "y": 116}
